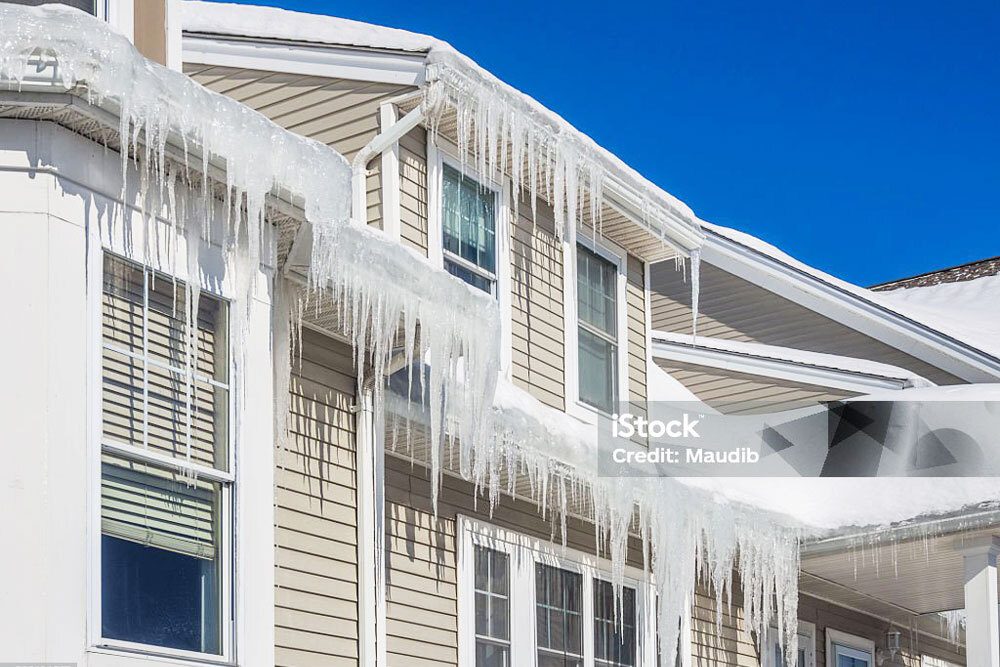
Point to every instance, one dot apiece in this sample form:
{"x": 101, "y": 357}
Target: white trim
{"x": 296, "y": 58}
{"x": 931, "y": 661}
{"x": 437, "y": 157}
{"x": 524, "y": 551}
{"x": 806, "y": 631}
{"x": 701, "y": 354}
{"x": 175, "y": 42}
{"x": 390, "y": 176}
{"x": 618, "y": 256}
{"x": 855, "y": 646}
{"x": 849, "y": 309}
{"x": 120, "y": 14}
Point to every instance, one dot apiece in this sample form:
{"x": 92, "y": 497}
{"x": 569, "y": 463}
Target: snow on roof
{"x": 461, "y": 72}
{"x": 795, "y": 356}
{"x": 968, "y": 310}
{"x": 960, "y": 310}
{"x": 223, "y": 18}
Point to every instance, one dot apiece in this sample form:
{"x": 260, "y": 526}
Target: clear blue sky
{"x": 861, "y": 137}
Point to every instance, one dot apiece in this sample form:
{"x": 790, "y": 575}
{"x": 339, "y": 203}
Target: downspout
{"x": 370, "y": 445}
{"x": 376, "y": 147}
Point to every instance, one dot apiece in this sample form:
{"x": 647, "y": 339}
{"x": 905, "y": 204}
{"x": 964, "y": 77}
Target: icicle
{"x": 695, "y": 292}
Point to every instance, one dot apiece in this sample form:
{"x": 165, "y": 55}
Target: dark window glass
{"x": 468, "y": 227}
{"x": 558, "y": 616}
{"x": 85, "y": 5}
{"x": 614, "y": 629}
{"x": 492, "y": 608}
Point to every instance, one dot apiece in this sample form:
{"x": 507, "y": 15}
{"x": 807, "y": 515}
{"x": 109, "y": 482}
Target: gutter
{"x": 773, "y": 367}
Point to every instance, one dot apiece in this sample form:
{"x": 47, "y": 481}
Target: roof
{"x": 446, "y": 64}
{"x": 968, "y": 271}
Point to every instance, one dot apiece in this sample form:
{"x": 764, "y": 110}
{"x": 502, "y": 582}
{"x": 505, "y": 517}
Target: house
{"x": 314, "y": 321}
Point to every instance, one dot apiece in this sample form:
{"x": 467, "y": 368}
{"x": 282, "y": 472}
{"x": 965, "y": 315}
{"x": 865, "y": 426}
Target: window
{"x": 525, "y": 602}
{"x": 597, "y": 332}
{"x": 558, "y": 617}
{"x": 492, "y": 608}
{"x": 806, "y": 654}
{"x": 468, "y": 230}
{"x": 166, "y": 486}
{"x": 845, "y": 650}
{"x": 614, "y": 626}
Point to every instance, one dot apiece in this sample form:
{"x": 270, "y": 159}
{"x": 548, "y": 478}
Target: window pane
{"x": 468, "y": 220}
{"x": 598, "y": 360}
{"x": 152, "y": 396}
{"x": 492, "y": 607}
{"x": 614, "y": 628}
{"x": 492, "y": 655}
{"x": 596, "y": 291}
{"x": 558, "y": 615}
{"x": 471, "y": 277}
{"x": 160, "y": 557}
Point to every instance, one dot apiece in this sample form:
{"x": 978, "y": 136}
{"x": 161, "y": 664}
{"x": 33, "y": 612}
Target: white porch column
{"x": 982, "y": 624}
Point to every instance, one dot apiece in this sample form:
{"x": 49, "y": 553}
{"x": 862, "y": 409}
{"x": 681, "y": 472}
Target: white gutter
{"x": 796, "y": 366}
{"x": 377, "y": 146}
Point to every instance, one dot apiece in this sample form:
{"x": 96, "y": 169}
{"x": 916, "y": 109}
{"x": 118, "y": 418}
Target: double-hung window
{"x": 597, "y": 329}
{"x": 774, "y": 655}
{"x": 847, "y": 650}
{"x": 166, "y": 483}
{"x": 469, "y": 229}
{"x": 524, "y": 603}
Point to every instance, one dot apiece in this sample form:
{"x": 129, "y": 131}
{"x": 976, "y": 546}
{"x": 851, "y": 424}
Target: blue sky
{"x": 861, "y": 137}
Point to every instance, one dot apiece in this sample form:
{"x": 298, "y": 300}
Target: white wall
{"x": 57, "y": 192}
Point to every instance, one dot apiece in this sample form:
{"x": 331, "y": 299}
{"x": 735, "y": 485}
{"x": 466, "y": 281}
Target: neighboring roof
{"x": 968, "y": 310}
{"x": 816, "y": 360}
{"x": 968, "y": 271}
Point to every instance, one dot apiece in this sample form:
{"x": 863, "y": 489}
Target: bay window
{"x": 166, "y": 471}
{"x": 525, "y": 602}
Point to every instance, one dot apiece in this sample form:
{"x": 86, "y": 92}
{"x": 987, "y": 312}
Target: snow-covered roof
{"x": 968, "y": 310}
{"x": 502, "y": 113}
{"x": 792, "y": 356}
{"x": 222, "y": 18}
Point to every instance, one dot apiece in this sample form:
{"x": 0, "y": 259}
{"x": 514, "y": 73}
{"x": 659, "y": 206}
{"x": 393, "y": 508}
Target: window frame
{"x": 805, "y": 629}
{"x": 836, "y": 638}
{"x": 99, "y": 445}
{"x": 524, "y": 552}
{"x": 618, "y": 257}
{"x": 441, "y": 152}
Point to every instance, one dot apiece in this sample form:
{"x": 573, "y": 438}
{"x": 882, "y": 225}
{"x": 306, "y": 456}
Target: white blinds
{"x": 157, "y": 508}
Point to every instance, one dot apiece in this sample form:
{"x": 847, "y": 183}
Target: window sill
{"x": 153, "y": 656}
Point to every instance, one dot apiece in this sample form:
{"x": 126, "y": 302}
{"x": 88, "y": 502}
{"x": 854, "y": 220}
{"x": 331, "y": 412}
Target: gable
{"x": 732, "y": 308}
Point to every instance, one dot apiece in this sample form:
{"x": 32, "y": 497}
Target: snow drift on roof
{"x": 968, "y": 310}
{"x": 220, "y": 18}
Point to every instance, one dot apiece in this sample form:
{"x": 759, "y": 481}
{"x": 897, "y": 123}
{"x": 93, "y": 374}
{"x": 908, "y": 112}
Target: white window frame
{"x": 618, "y": 257}
{"x": 226, "y": 479}
{"x": 931, "y": 661}
{"x": 853, "y": 643}
{"x": 806, "y": 631}
{"x": 441, "y": 152}
{"x": 524, "y": 551}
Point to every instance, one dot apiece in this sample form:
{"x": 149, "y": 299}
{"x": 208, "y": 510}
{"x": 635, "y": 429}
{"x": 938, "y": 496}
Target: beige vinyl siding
{"x": 537, "y": 326}
{"x": 413, "y": 189}
{"x": 316, "y": 615}
{"x": 732, "y": 645}
{"x": 733, "y": 393}
{"x": 733, "y": 309}
{"x": 341, "y": 113}
{"x": 635, "y": 302}
{"x": 422, "y": 593}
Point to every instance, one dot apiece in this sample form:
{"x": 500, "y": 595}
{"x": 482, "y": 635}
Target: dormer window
{"x": 468, "y": 230}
